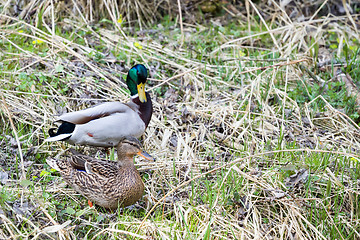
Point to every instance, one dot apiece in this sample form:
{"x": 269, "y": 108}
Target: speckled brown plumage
{"x": 106, "y": 183}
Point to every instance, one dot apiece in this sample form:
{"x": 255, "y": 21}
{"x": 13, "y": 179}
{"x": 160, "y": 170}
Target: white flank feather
{"x": 58, "y": 137}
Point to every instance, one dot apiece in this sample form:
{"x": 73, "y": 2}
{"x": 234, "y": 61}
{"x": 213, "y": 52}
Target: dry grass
{"x": 226, "y": 131}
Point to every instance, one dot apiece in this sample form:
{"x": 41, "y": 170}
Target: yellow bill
{"x": 141, "y": 92}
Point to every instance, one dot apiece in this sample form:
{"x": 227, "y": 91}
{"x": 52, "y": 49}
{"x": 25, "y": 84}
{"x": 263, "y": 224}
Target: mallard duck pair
{"x": 106, "y": 183}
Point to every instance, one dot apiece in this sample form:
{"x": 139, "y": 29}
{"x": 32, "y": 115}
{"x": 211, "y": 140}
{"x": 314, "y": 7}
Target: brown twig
{"x": 181, "y": 23}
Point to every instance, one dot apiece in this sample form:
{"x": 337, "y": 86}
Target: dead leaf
{"x": 3, "y": 177}
{"x": 351, "y": 88}
{"x": 278, "y": 194}
{"x": 56, "y": 228}
{"x": 300, "y": 176}
{"x": 25, "y": 209}
{"x": 243, "y": 206}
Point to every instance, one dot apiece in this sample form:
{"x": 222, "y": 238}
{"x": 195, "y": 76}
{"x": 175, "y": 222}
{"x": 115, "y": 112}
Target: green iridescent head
{"x": 136, "y": 80}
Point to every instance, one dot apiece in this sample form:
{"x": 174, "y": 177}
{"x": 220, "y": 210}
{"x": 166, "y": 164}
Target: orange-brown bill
{"x": 146, "y": 156}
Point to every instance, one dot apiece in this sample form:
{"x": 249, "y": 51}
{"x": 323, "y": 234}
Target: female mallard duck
{"x": 106, "y": 183}
{"x": 104, "y": 125}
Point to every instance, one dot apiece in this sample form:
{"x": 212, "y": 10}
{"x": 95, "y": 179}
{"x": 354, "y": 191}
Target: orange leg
{"x": 90, "y": 203}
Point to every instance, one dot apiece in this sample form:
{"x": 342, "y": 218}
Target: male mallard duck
{"x": 104, "y": 125}
{"x": 107, "y": 183}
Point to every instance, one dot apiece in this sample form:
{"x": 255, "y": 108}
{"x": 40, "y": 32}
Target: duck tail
{"x": 64, "y": 132}
{"x": 58, "y": 163}
{"x": 52, "y": 162}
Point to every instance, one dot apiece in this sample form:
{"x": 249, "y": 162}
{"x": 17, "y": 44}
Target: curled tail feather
{"x": 63, "y": 133}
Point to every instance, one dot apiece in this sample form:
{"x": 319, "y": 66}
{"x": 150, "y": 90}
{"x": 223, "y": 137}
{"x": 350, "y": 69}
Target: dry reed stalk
{"x": 6, "y": 109}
